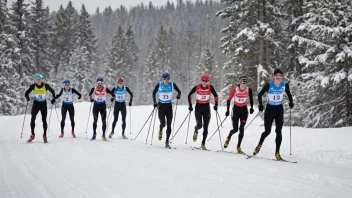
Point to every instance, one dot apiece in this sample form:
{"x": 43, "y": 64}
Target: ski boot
{"x": 45, "y": 139}
{"x": 278, "y": 156}
{"x": 111, "y": 134}
{"x": 31, "y": 138}
{"x": 195, "y": 135}
{"x": 167, "y": 145}
{"x": 203, "y": 147}
{"x": 103, "y": 137}
{"x": 257, "y": 149}
{"x": 73, "y": 134}
{"x": 227, "y": 142}
{"x": 123, "y": 136}
{"x": 93, "y": 137}
{"x": 160, "y": 135}
{"x": 239, "y": 150}
{"x": 61, "y": 135}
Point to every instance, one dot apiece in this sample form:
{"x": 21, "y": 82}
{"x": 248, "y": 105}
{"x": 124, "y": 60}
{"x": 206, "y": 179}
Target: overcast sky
{"x": 91, "y": 5}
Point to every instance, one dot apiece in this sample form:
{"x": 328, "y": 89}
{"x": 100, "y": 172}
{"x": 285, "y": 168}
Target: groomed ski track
{"x": 68, "y": 167}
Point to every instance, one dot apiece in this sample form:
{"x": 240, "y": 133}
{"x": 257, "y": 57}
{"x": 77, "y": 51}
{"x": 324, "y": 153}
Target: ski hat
{"x": 38, "y": 76}
{"x": 100, "y": 80}
{"x": 205, "y": 77}
{"x": 278, "y": 71}
{"x": 67, "y": 82}
{"x": 166, "y": 75}
{"x": 120, "y": 79}
{"x": 243, "y": 79}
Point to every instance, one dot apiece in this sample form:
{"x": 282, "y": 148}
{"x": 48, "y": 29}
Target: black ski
{"x": 252, "y": 156}
{"x": 199, "y": 148}
{"x": 242, "y": 153}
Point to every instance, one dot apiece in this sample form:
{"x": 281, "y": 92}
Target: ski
{"x": 252, "y": 156}
{"x": 199, "y": 148}
{"x": 242, "y": 153}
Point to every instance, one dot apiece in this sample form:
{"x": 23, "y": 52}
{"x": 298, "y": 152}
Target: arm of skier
{"x": 50, "y": 89}
{"x": 154, "y": 92}
{"x": 288, "y": 92}
{"x": 250, "y": 97}
{"x": 91, "y": 93}
{"x": 110, "y": 92}
{"x": 261, "y": 93}
{"x": 178, "y": 91}
{"x": 232, "y": 94}
{"x": 216, "y": 98}
{"x": 190, "y": 95}
{"x": 58, "y": 96}
{"x": 76, "y": 92}
{"x": 129, "y": 92}
{"x": 29, "y": 90}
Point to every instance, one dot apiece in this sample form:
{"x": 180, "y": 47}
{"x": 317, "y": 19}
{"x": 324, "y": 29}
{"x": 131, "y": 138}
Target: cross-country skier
{"x": 120, "y": 105}
{"x": 202, "y": 108}
{"x": 239, "y": 110}
{"x": 274, "y": 109}
{"x": 99, "y": 93}
{"x": 39, "y": 104}
{"x": 165, "y": 89}
{"x": 66, "y": 94}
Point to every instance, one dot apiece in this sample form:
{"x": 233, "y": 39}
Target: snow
{"x": 70, "y": 167}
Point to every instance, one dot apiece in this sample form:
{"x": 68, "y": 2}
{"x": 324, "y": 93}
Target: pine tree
{"x": 132, "y": 56}
{"x": 252, "y": 39}
{"x": 150, "y": 75}
{"x": 323, "y": 41}
{"x": 209, "y": 66}
{"x": 40, "y": 33}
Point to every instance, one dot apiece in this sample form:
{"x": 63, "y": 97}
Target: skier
{"x": 165, "y": 89}
{"x": 66, "y": 94}
{"x": 239, "y": 110}
{"x": 39, "y": 103}
{"x": 99, "y": 105}
{"x": 202, "y": 108}
{"x": 120, "y": 105}
{"x": 274, "y": 109}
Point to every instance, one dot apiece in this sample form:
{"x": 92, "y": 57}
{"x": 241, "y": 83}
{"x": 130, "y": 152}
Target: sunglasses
{"x": 278, "y": 77}
{"x": 166, "y": 78}
{"x": 206, "y": 81}
{"x": 243, "y": 82}
{"x": 67, "y": 85}
{"x": 120, "y": 82}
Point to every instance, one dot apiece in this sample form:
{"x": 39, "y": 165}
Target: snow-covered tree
{"x": 324, "y": 43}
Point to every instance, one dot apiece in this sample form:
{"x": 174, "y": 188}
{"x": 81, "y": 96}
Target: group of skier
{"x": 203, "y": 91}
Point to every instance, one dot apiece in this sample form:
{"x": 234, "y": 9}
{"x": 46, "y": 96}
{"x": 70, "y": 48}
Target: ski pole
{"x": 24, "y": 118}
{"x": 144, "y": 124}
{"x": 173, "y": 126}
{"x": 189, "y": 119}
{"x": 107, "y": 128}
{"x": 130, "y": 121}
{"x": 150, "y": 124}
{"x": 90, "y": 110}
{"x": 57, "y": 116}
{"x": 252, "y": 120}
{"x": 217, "y": 128}
{"x": 50, "y": 119}
{"x": 290, "y": 135}
{"x": 217, "y": 122}
{"x": 151, "y": 141}
{"x": 180, "y": 127}
{"x": 217, "y": 114}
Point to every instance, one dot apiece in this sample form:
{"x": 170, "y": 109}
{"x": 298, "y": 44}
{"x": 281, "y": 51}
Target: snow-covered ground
{"x": 78, "y": 167}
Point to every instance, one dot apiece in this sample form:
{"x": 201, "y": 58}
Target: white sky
{"x": 91, "y": 5}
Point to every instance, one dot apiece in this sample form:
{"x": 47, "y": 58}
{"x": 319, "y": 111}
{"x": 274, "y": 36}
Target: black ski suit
{"x": 99, "y": 107}
{"x": 239, "y": 112}
{"x": 165, "y": 110}
{"x": 39, "y": 105}
{"x": 68, "y": 106}
{"x": 121, "y": 106}
{"x": 273, "y": 112}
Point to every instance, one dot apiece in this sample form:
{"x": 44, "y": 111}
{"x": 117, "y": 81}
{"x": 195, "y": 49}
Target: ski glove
{"x": 27, "y": 98}
{"x": 216, "y": 107}
{"x": 155, "y": 105}
{"x": 291, "y": 105}
{"x": 227, "y": 113}
{"x": 251, "y": 110}
{"x": 260, "y": 107}
{"x": 53, "y": 101}
{"x": 178, "y": 96}
{"x": 79, "y": 97}
{"x": 92, "y": 100}
{"x": 112, "y": 99}
{"x": 190, "y": 108}
{"x": 130, "y": 104}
